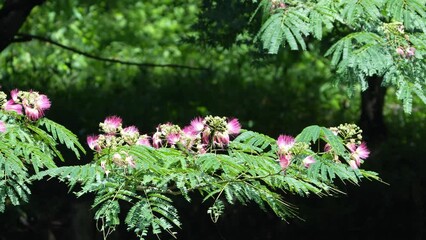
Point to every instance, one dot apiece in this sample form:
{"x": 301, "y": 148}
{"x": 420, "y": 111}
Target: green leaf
{"x": 309, "y": 134}
{"x": 64, "y": 135}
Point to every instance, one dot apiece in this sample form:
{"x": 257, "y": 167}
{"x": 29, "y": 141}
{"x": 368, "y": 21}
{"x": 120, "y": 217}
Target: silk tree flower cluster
{"x": 395, "y": 34}
{"x": 32, "y": 104}
{"x": 211, "y": 134}
{"x": 351, "y": 135}
{"x": 200, "y": 136}
{"x": 114, "y": 135}
{"x": 276, "y": 5}
{"x": 288, "y": 148}
{"x": 406, "y": 53}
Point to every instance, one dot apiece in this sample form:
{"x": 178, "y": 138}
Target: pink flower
{"x": 113, "y": 121}
{"x": 11, "y": 106}
{"x": 285, "y": 143}
{"x": 206, "y": 135}
{"x": 2, "y": 126}
{"x": 143, "y": 140}
{"x": 35, "y": 104}
{"x": 32, "y": 113}
{"x": 359, "y": 153}
{"x": 43, "y": 103}
{"x": 130, "y": 134}
{"x": 14, "y": 94}
{"x": 173, "y": 138}
{"x": 353, "y": 164}
{"x": 400, "y": 51}
{"x": 327, "y": 147}
{"x": 285, "y": 161}
{"x": 411, "y": 51}
{"x": 189, "y": 137}
{"x": 282, "y": 5}
{"x": 308, "y": 161}
{"x": 130, "y": 130}
{"x": 92, "y": 141}
{"x": 221, "y": 139}
{"x": 233, "y": 126}
{"x": 156, "y": 140}
{"x": 201, "y": 149}
{"x": 197, "y": 124}
{"x": 111, "y": 124}
{"x": 189, "y": 131}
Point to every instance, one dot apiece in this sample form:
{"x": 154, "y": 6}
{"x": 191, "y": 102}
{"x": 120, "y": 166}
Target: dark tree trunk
{"x": 372, "y": 103}
{"x": 12, "y": 15}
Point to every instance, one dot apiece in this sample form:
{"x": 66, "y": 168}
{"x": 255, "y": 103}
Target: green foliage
{"x": 63, "y": 135}
{"x": 247, "y": 169}
{"x": 28, "y": 146}
{"x": 371, "y": 38}
{"x": 291, "y": 27}
{"x": 158, "y": 215}
{"x": 145, "y": 32}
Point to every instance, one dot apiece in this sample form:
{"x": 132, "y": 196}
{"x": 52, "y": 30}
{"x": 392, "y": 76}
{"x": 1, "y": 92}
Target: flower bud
{"x": 285, "y": 161}
{"x": 118, "y": 160}
{"x": 353, "y": 164}
{"x": 400, "y": 51}
{"x": 92, "y": 141}
{"x": 130, "y": 161}
{"x": 282, "y": 5}
{"x": 308, "y": 161}
{"x": 411, "y": 51}
{"x": 143, "y": 140}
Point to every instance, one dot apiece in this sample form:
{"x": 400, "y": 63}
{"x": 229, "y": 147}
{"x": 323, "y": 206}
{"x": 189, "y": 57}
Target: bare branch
{"x": 21, "y": 37}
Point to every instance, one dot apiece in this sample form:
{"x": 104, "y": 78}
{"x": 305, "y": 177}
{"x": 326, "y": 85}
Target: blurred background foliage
{"x": 273, "y": 94}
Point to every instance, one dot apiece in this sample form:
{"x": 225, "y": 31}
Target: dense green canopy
{"x": 278, "y": 66}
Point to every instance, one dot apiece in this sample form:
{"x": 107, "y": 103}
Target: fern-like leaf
{"x": 154, "y": 212}
{"x": 64, "y": 136}
{"x": 322, "y": 14}
{"x": 290, "y": 27}
{"x": 355, "y": 10}
{"x": 412, "y": 13}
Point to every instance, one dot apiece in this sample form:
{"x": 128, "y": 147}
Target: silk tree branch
{"x": 22, "y": 37}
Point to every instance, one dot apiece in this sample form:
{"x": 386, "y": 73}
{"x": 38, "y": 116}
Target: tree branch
{"x": 28, "y": 37}
{"x": 12, "y": 15}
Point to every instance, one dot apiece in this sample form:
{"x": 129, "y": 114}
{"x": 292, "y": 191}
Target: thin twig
{"x": 23, "y": 37}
